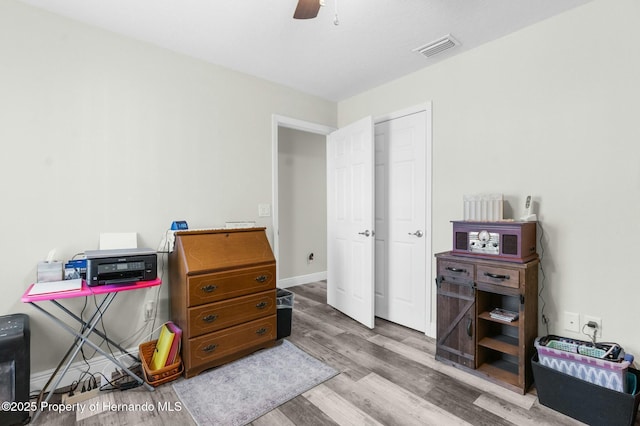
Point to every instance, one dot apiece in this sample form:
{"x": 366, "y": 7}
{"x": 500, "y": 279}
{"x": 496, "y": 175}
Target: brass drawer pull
{"x": 261, "y": 331}
{"x": 496, "y": 276}
{"x": 261, "y": 278}
{"x": 209, "y": 288}
{"x": 210, "y": 318}
{"x": 210, "y": 348}
{"x": 262, "y": 305}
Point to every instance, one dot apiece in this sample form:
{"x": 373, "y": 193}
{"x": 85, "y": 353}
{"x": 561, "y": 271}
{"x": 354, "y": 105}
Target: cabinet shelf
{"x": 487, "y": 317}
{"x": 501, "y": 343}
{"x": 501, "y": 370}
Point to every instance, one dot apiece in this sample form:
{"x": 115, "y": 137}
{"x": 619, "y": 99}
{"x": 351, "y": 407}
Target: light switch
{"x": 264, "y": 210}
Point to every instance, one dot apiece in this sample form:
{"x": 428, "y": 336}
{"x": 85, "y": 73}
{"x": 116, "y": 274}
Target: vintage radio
{"x": 509, "y": 241}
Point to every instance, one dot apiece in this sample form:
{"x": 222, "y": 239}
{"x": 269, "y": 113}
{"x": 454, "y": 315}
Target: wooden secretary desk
{"x": 222, "y": 294}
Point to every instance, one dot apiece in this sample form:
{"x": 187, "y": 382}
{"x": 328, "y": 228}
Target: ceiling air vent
{"x": 435, "y": 47}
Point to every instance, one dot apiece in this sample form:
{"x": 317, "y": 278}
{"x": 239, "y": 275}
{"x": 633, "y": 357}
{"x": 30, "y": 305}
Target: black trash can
{"x": 284, "y": 304}
{"x": 584, "y": 401}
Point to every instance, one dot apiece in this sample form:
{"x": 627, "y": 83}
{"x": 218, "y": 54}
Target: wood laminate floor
{"x": 388, "y": 376}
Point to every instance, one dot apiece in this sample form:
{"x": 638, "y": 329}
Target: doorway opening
{"x": 299, "y": 227}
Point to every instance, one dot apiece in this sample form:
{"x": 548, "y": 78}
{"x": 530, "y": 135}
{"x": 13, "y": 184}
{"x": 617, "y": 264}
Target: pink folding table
{"x": 88, "y": 326}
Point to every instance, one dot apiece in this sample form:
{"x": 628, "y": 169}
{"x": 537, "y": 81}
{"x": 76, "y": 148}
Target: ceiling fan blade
{"x": 307, "y": 9}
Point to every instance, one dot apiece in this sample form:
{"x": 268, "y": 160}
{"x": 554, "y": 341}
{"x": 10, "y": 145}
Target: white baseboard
{"x": 431, "y": 330}
{"x": 98, "y": 364}
{"x": 302, "y": 279}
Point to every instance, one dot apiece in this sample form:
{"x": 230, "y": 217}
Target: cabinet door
{"x": 456, "y": 322}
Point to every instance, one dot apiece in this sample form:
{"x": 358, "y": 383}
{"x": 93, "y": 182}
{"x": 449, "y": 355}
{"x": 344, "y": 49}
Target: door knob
{"x": 418, "y": 233}
{"x": 366, "y": 233}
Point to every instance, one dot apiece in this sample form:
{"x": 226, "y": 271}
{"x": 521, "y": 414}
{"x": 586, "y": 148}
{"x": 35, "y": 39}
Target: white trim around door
{"x": 283, "y": 121}
{"x": 291, "y": 123}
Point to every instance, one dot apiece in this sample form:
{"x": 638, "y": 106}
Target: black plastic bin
{"x": 284, "y": 304}
{"x": 584, "y": 401}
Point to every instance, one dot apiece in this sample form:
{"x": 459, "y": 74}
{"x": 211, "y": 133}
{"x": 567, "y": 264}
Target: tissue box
{"x": 49, "y": 271}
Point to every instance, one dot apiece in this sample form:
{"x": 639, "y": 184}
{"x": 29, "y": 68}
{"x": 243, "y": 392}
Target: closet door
{"x": 350, "y": 221}
{"x": 401, "y": 223}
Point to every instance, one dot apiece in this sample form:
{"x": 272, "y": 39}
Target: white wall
{"x": 105, "y": 134}
{"x": 302, "y": 193}
{"x": 551, "y": 111}
{"x": 101, "y": 133}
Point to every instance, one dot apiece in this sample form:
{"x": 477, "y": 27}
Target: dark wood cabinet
{"x": 222, "y": 295}
{"x": 468, "y": 290}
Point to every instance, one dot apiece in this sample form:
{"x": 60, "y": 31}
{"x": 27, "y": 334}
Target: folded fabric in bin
{"x": 610, "y": 374}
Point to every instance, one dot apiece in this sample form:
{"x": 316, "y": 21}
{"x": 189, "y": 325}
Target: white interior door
{"x": 401, "y": 228}
{"x": 350, "y": 221}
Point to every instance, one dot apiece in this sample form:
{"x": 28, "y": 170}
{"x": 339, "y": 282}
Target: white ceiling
{"x": 372, "y": 44}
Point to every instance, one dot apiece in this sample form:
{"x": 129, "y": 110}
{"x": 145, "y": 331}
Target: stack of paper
{"x": 56, "y": 286}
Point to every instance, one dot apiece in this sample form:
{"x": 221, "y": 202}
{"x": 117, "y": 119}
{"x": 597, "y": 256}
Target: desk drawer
{"x": 217, "y": 286}
{"x": 218, "y": 315}
{"x": 507, "y": 277}
{"x": 219, "y": 344}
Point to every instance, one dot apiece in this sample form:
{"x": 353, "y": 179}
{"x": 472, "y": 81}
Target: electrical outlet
{"x": 572, "y": 322}
{"x": 588, "y": 330}
{"x": 148, "y": 310}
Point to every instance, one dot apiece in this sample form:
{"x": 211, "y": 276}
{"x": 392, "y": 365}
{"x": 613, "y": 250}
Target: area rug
{"x": 240, "y": 392}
